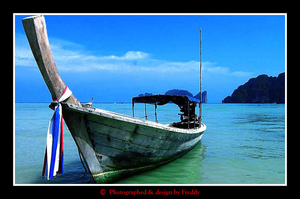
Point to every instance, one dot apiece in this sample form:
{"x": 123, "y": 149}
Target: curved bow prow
{"x": 36, "y": 32}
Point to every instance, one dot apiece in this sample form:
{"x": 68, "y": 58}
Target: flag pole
{"x": 200, "y": 104}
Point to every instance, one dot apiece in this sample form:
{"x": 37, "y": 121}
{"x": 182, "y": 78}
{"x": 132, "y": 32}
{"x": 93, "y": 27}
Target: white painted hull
{"x": 124, "y": 145}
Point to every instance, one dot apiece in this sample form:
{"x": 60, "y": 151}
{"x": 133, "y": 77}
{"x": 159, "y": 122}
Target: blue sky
{"x": 116, "y": 57}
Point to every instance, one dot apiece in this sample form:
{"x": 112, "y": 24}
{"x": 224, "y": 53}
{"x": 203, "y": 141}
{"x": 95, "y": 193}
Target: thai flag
{"x": 53, "y": 160}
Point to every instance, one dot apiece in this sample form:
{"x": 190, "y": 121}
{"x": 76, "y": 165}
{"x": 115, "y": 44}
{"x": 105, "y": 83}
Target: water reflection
{"x": 184, "y": 170}
{"x": 74, "y": 173}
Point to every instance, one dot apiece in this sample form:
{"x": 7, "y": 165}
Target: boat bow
{"x": 113, "y": 145}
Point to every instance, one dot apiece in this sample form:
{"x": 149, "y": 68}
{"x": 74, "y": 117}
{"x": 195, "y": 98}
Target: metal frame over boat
{"x": 115, "y": 146}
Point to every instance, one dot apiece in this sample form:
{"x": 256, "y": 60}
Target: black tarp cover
{"x": 164, "y": 99}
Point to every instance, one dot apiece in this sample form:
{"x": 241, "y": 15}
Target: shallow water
{"x": 243, "y": 144}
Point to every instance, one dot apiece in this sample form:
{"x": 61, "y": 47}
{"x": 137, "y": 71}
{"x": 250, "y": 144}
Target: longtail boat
{"x": 115, "y": 146}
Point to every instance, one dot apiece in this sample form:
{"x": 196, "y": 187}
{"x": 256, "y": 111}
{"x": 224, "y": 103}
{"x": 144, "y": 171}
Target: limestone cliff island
{"x": 262, "y": 89}
{"x": 182, "y": 92}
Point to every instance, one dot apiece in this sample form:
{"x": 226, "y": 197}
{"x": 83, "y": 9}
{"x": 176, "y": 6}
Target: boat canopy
{"x": 164, "y": 99}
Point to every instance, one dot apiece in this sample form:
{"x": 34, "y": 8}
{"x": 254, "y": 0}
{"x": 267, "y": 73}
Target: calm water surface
{"x": 243, "y": 144}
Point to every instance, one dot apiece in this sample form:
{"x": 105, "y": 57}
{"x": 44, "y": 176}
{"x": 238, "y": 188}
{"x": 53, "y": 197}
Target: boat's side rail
{"x": 117, "y": 116}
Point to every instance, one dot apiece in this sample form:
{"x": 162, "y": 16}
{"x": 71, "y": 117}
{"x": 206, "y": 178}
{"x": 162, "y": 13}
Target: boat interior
{"x": 186, "y": 104}
{"x": 188, "y": 117}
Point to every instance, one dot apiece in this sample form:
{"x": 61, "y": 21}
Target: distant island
{"x": 204, "y": 96}
{"x": 262, "y": 89}
{"x": 178, "y": 92}
{"x": 146, "y": 94}
{"x": 182, "y": 92}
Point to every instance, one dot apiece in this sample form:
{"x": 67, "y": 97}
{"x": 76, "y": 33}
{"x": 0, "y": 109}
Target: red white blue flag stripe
{"x": 53, "y": 160}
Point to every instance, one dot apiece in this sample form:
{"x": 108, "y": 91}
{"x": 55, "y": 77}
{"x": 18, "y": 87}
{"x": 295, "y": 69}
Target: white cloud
{"x": 24, "y": 57}
{"x": 70, "y": 56}
{"x": 218, "y": 69}
{"x": 242, "y": 73}
{"x": 130, "y": 55}
{"x": 213, "y": 68}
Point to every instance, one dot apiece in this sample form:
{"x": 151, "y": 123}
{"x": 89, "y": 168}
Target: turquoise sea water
{"x": 243, "y": 144}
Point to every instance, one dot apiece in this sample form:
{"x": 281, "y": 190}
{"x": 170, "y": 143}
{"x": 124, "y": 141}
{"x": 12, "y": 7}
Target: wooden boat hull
{"x": 112, "y": 145}
{"x": 115, "y": 146}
